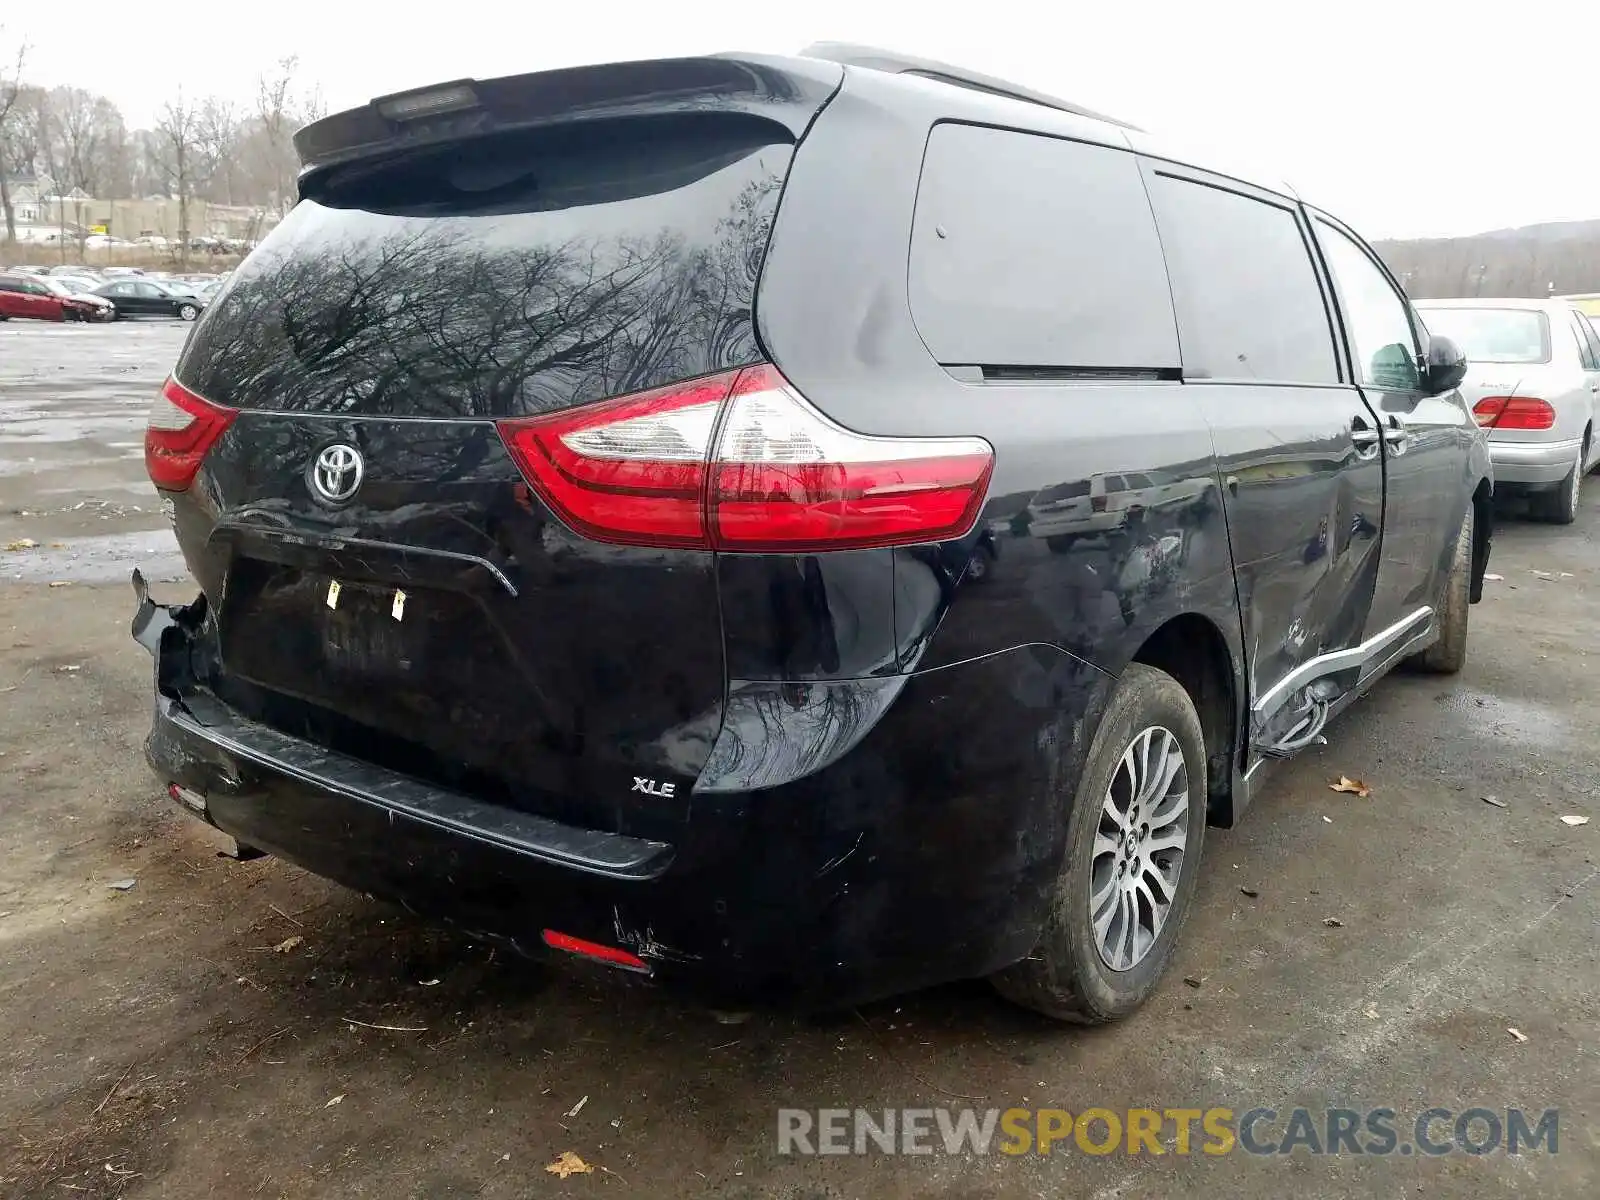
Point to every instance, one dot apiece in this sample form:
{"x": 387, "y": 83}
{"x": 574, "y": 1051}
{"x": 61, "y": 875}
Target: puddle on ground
{"x": 1521, "y": 721}
{"x": 108, "y": 559}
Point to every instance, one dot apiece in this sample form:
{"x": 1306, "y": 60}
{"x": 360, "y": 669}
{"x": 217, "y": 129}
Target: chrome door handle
{"x": 1364, "y": 438}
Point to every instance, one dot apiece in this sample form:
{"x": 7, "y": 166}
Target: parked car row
{"x": 80, "y": 293}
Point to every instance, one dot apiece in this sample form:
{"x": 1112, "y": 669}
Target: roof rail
{"x": 851, "y": 55}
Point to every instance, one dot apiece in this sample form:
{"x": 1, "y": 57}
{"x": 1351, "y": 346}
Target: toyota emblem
{"x": 336, "y": 473}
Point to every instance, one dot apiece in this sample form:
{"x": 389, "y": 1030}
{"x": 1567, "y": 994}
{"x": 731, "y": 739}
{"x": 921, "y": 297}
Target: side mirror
{"x": 1445, "y": 368}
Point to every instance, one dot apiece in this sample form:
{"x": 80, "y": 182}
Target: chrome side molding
{"x": 1375, "y": 649}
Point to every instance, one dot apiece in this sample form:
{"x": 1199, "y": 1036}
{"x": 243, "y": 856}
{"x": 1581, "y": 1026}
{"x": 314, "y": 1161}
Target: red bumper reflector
{"x": 609, "y": 955}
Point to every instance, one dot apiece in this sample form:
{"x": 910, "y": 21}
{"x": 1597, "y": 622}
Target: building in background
{"x": 42, "y": 213}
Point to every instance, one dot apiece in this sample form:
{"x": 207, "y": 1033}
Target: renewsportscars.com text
{"x": 1156, "y": 1131}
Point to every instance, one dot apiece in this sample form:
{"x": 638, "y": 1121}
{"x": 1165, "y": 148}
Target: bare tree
{"x": 178, "y": 147}
{"x": 11, "y": 68}
{"x": 280, "y": 110}
{"x": 273, "y": 108}
{"x": 217, "y": 140}
{"x": 83, "y": 139}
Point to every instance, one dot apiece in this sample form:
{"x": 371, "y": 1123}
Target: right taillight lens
{"x": 741, "y": 461}
{"x": 1514, "y": 412}
{"x": 181, "y": 429}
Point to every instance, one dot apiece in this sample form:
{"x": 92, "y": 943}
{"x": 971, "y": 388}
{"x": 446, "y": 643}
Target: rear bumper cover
{"x": 1533, "y": 462}
{"x": 922, "y": 855}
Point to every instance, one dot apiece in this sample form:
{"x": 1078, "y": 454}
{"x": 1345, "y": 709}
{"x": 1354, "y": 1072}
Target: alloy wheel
{"x": 1139, "y": 848}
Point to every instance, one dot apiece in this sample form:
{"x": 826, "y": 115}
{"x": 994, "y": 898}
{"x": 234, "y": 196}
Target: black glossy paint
{"x": 871, "y": 755}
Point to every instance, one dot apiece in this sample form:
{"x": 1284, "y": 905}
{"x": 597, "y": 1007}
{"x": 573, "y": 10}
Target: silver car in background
{"x": 1533, "y": 382}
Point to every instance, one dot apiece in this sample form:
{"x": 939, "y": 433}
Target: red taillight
{"x": 594, "y": 950}
{"x": 181, "y": 429}
{"x": 1514, "y": 412}
{"x": 642, "y": 470}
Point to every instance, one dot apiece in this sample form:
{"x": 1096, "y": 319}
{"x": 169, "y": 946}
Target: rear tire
{"x": 1449, "y": 654}
{"x": 1560, "y": 507}
{"x": 188, "y": 312}
{"x": 1068, "y": 975}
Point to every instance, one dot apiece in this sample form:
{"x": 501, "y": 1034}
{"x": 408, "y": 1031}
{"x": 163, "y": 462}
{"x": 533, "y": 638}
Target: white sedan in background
{"x": 1533, "y": 382}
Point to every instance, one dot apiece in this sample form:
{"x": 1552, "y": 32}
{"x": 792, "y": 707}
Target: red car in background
{"x": 25, "y": 296}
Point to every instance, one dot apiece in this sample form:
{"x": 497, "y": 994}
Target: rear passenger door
{"x": 1296, "y": 445}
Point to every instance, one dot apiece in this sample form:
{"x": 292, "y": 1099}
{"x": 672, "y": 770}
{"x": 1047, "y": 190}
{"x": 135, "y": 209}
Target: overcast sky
{"x": 1404, "y": 117}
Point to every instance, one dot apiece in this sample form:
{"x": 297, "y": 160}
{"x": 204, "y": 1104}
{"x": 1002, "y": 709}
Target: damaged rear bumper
{"x": 844, "y": 886}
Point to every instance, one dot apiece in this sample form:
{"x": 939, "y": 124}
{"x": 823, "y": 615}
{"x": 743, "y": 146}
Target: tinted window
{"x": 1494, "y": 335}
{"x": 1588, "y": 344}
{"x": 1032, "y": 251}
{"x": 508, "y": 277}
{"x": 1249, "y": 304}
{"x": 1376, "y": 317}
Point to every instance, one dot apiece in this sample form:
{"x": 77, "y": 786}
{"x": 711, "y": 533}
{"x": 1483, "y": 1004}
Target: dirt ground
{"x": 208, "y": 1032}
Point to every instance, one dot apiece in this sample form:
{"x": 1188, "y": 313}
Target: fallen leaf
{"x": 1494, "y": 800}
{"x": 1354, "y": 786}
{"x": 427, "y": 983}
{"x": 122, "y": 885}
{"x": 1193, "y": 981}
{"x": 1370, "y": 1013}
{"x": 58, "y": 545}
{"x": 1333, "y": 922}
{"x": 577, "y": 1108}
{"x": 22, "y": 544}
{"x": 288, "y": 944}
{"x": 1516, "y": 1033}
{"x": 1251, "y": 892}
{"x": 1494, "y": 578}
{"x": 569, "y": 1164}
{"x": 339, "y": 1099}
{"x": 55, "y": 583}
{"x": 1329, "y": 820}
{"x": 1574, "y": 819}
{"x": 68, "y": 669}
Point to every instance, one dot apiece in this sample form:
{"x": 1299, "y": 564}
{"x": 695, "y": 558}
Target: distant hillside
{"x": 1559, "y": 258}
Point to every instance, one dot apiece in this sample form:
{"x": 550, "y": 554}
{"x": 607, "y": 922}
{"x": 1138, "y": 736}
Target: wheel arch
{"x": 1193, "y": 649}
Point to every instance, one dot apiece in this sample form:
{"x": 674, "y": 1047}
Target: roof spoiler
{"x": 850, "y": 55}
{"x": 788, "y": 91}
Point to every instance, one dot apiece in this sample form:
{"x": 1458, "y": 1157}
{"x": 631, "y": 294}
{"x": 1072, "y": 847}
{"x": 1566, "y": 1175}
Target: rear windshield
{"x": 507, "y": 277}
{"x": 1493, "y": 335}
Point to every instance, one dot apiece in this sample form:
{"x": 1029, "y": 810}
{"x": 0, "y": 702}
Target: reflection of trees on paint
{"x": 779, "y": 732}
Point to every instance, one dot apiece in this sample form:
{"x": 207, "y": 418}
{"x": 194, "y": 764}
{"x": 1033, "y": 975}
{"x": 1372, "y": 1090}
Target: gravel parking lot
{"x": 216, "y": 1029}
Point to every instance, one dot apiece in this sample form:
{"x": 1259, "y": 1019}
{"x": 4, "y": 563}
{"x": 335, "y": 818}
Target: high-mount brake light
{"x": 180, "y": 431}
{"x": 428, "y": 102}
{"x": 782, "y": 477}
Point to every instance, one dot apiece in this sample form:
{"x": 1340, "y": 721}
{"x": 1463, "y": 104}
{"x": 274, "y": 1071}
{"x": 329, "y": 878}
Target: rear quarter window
{"x": 1033, "y": 251}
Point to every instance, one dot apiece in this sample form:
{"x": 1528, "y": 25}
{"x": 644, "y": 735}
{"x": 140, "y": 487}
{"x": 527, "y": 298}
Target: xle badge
{"x": 651, "y": 788}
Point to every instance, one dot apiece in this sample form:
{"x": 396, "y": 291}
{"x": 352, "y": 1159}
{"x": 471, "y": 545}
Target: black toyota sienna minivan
{"x": 797, "y": 528}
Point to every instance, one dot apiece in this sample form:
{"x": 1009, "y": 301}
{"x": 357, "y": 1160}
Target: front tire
{"x": 1449, "y": 654}
{"x": 1127, "y": 880}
